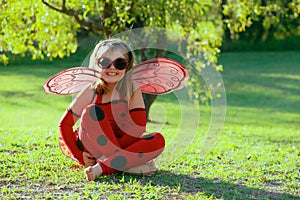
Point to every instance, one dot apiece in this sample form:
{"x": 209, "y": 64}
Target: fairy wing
{"x": 70, "y": 81}
{"x": 154, "y": 76}
{"x": 160, "y": 75}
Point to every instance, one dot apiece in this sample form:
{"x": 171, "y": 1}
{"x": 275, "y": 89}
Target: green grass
{"x": 256, "y": 155}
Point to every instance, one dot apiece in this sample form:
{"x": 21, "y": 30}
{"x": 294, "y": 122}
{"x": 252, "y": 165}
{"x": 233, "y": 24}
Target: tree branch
{"x": 63, "y": 4}
{"x": 87, "y": 23}
{"x": 52, "y": 7}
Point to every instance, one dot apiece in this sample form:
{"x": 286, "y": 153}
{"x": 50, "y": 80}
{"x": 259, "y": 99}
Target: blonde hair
{"x": 125, "y": 85}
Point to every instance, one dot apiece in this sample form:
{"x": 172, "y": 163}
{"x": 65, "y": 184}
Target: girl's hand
{"x": 88, "y": 159}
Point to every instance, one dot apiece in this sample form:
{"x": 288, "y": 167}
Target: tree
{"x": 33, "y": 29}
{"x": 263, "y": 20}
{"x": 48, "y": 28}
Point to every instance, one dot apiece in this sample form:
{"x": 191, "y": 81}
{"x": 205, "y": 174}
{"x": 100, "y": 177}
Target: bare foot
{"x": 147, "y": 169}
{"x": 93, "y": 171}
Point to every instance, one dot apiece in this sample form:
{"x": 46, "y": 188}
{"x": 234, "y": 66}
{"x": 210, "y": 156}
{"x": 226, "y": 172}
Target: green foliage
{"x": 48, "y": 28}
{"x": 30, "y": 28}
{"x": 266, "y": 19}
{"x": 239, "y": 13}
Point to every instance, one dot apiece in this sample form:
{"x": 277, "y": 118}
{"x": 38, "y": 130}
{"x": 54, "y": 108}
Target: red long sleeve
{"x": 135, "y": 128}
{"x": 68, "y": 135}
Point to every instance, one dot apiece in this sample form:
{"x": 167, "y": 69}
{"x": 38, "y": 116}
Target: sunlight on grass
{"x": 256, "y": 155}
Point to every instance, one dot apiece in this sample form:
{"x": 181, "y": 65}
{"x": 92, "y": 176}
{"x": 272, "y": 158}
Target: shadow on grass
{"x": 278, "y": 94}
{"x": 262, "y": 80}
{"x": 189, "y": 185}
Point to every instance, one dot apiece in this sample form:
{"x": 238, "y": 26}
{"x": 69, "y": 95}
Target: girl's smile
{"x": 112, "y": 75}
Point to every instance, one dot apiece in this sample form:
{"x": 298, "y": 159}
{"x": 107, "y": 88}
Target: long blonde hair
{"x": 125, "y": 85}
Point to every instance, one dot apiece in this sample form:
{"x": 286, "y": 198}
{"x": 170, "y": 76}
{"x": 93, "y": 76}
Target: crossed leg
{"x": 136, "y": 158}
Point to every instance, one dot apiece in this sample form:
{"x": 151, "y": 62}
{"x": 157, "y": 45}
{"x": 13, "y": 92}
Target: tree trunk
{"x": 148, "y": 99}
{"x": 160, "y": 52}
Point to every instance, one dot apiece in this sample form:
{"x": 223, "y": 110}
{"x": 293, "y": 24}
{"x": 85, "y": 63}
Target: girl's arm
{"x": 137, "y": 122}
{"x": 70, "y": 118}
{"x": 136, "y": 100}
{"x": 68, "y": 135}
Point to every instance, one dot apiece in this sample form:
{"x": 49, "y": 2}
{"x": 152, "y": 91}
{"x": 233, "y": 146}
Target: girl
{"x": 113, "y": 118}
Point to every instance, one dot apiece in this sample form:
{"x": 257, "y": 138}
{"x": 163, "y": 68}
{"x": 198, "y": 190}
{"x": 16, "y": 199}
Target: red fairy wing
{"x": 70, "y": 81}
{"x": 160, "y": 75}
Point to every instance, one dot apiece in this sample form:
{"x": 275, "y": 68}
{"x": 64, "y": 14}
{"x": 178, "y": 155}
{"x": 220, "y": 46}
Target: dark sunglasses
{"x": 105, "y": 63}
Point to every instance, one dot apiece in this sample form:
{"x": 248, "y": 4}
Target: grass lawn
{"x": 257, "y": 154}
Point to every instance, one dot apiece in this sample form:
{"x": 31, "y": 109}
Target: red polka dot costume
{"x": 113, "y": 131}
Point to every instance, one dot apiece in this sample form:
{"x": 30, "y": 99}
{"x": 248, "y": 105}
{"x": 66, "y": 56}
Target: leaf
{"x": 4, "y": 59}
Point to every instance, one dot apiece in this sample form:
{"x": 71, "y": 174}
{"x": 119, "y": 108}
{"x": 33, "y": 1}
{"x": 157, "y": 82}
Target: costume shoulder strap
{"x": 121, "y": 96}
{"x": 99, "y": 98}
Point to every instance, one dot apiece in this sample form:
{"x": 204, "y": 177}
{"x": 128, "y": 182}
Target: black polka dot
{"x": 140, "y": 154}
{"x": 118, "y": 162}
{"x": 102, "y": 140}
{"x": 123, "y": 114}
{"x": 96, "y": 113}
{"x": 148, "y": 137}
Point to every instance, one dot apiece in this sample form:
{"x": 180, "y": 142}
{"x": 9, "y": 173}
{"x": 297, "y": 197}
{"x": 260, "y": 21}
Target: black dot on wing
{"x": 96, "y": 113}
{"x": 148, "y": 137}
{"x": 102, "y": 140}
{"x": 118, "y": 162}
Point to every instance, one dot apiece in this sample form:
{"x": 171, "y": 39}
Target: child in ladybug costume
{"x": 110, "y": 137}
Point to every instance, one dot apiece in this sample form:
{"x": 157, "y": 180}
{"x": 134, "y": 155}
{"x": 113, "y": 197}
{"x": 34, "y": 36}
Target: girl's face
{"x": 112, "y": 75}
